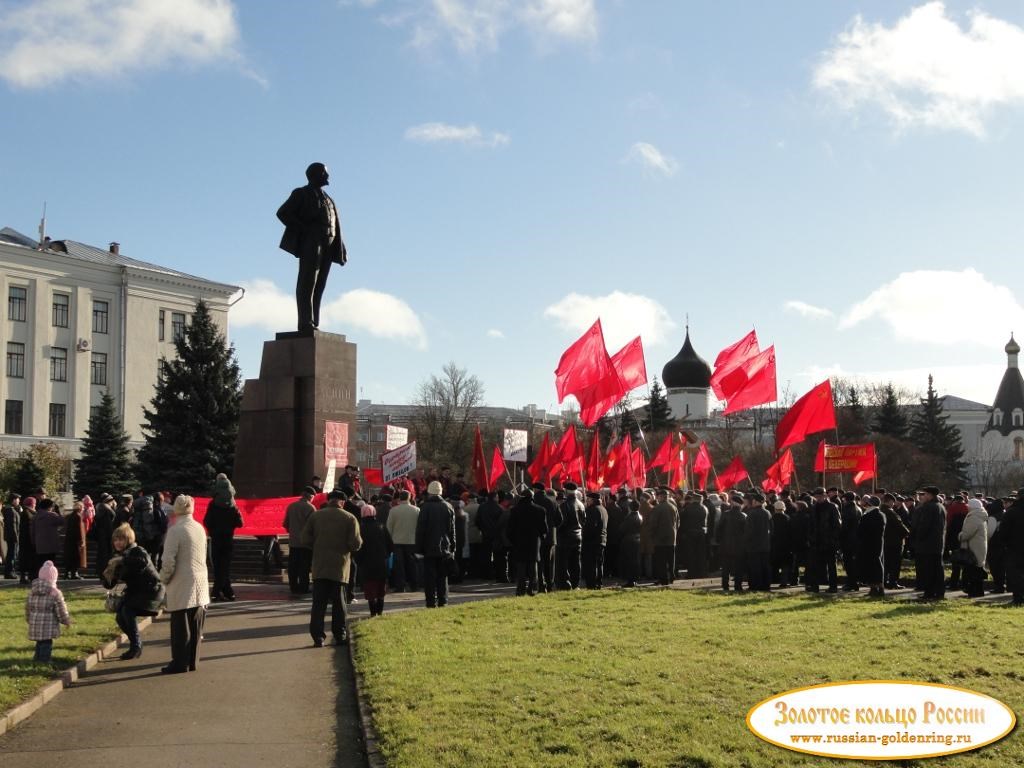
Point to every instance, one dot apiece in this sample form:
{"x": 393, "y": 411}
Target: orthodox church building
{"x": 687, "y": 380}
{"x": 1003, "y": 435}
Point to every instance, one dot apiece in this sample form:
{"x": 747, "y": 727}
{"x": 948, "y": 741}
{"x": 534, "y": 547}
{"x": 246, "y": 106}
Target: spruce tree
{"x": 890, "y": 419}
{"x": 659, "y": 414}
{"x": 857, "y": 420}
{"x": 933, "y": 435}
{"x": 29, "y": 476}
{"x": 192, "y": 424}
{"x": 105, "y": 465}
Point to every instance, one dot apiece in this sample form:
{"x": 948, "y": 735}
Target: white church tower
{"x": 687, "y": 380}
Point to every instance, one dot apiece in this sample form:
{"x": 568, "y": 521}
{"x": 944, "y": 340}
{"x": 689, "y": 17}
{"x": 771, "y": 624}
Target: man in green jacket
{"x": 333, "y": 535}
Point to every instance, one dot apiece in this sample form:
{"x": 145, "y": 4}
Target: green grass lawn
{"x": 658, "y": 678}
{"x": 20, "y": 677}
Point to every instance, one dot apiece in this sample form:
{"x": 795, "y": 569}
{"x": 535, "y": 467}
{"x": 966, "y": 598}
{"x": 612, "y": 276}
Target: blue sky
{"x": 842, "y": 176}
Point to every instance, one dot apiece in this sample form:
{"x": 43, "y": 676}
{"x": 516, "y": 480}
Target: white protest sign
{"x": 398, "y": 463}
{"x": 515, "y": 445}
{"x": 396, "y": 437}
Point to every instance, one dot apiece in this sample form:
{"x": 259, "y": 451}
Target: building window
{"x": 12, "y": 417}
{"x": 177, "y": 325}
{"x": 15, "y": 360}
{"x": 58, "y": 364}
{"x": 60, "y": 310}
{"x": 99, "y": 368}
{"x": 100, "y": 315}
{"x": 160, "y": 335}
{"x": 58, "y": 419}
{"x": 1018, "y": 449}
{"x": 1018, "y": 417}
{"x": 94, "y": 411}
{"x": 17, "y": 303}
{"x": 997, "y": 418}
{"x": 379, "y": 436}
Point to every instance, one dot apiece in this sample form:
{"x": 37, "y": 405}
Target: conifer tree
{"x": 933, "y": 435}
{"x": 105, "y": 465}
{"x": 191, "y": 426}
{"x": 659, "y": 414}
{"x": 29, "y": 476}
{"x": 890, "y": 419}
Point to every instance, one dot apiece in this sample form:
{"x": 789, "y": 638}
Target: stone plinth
{"x": 304, "y": 381}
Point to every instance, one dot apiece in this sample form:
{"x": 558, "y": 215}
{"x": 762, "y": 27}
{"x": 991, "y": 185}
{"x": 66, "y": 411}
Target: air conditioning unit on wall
{"x": 83, "y": 345}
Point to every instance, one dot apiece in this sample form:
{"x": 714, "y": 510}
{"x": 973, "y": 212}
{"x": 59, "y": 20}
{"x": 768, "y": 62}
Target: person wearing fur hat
{"x": 102, "y": 531}
{"x": 974, "y": 537}
{"x": 870, "y": 557}
{"x": 45, "y": 611}
{"x": 183, "y": 572}
{"x": 46, "y": 527}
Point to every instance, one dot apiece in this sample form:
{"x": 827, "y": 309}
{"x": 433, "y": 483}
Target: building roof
{"x": 954, "y": 403}
{"x": 1009, "y": 397}
{"x": 101, "y": 256}
{"x": 405, "y": 412}
{"x": 687, "y": 369}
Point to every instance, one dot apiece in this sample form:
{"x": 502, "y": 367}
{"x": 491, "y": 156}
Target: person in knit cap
{"x": 45, "y": 611}
{"x": 372, "y": 558}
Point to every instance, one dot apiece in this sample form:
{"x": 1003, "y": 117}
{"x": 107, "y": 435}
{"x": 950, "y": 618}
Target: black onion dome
{"x": 1009, "y": 398}
{"x": 1012, "y": 347}
{"x": 687, "y": 370}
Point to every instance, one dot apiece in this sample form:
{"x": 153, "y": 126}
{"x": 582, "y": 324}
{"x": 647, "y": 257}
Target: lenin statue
{"x": 312, "y": 233}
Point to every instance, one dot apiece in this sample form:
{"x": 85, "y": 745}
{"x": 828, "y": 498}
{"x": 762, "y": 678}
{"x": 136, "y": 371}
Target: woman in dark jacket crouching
{"x": 372, "y": 558}
{"x": 143, "y": 591}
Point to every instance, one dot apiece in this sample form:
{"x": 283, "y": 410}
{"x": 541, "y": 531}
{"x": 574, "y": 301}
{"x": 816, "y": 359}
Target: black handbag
{"x": 964, "y": 556}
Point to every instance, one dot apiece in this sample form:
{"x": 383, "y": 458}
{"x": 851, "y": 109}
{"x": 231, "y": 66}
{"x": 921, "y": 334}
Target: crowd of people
{"x": 424, "y": 534}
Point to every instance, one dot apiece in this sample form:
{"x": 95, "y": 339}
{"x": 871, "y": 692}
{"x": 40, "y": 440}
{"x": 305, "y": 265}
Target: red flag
{"x": 595, "y": 467}
{"x": 701, "y": 466}
{"x": 731, "y": 475}
{"x": 538, "y": 468}
{"x": 631, "y": 368}
{"x": 758, "y": 385}
{"x": 819, "y": 457}
{"x": 814, "y": 412}
{"x": 779, "y": 473}
{"x": 373, "y": 476}
{"x": 564, "y": 454}
{"x": 497, "y": 468}
{"x": 586, "y": 368}
{"x": 862, "y": 477}
{"x": 639, "y": 469}
{"x": 618, "y": 468}
{"x": 727, "y": 362}
{"x": 664, "y": 453}
{"x": 480, "y": 476}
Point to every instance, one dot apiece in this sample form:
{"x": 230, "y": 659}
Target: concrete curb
{"x": 65, "y": 679}
{"x": 371, "y": 742}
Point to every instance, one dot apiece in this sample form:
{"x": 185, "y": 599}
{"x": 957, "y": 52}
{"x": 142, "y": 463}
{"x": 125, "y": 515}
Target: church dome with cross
{"x": 687, "y": 380}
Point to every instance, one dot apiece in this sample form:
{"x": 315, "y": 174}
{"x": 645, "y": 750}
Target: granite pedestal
{"x": 304, "y": 382}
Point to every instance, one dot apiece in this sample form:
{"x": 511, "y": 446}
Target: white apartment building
{"x": 79, "y": 321}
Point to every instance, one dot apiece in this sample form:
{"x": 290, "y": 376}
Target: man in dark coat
{"x": 757, "y": 543}
{"x": 664, "y": 523}
{"x": 799, "y": 523}
{"x": 617, "y": 512}
{"x": 850, "y": 514}
{"x": 731, "y": 530}
{"x": 545, "y": 498}
{"x": 956, "y": 513}
{"x": 996, "y": 552}
{"x": 27, "y": 567}
{"x": 595, "y": 538}
{"x": 221, "y": 522}
{"x": 896, "y": 533}
{"x": 312, "y": 233}
{"x": 527, "y": 527}
{"x": 870, "y": 546}
{"x": 102, "y": 531}
{"x": 435, "y": 540}
{"x": 823, "y": 539}
{"x": 372, "y": 558}
{"x": 928, "y": 537}
{"x": 782, "y": 546}
{"x": 693, "y": 530}
{"x": 1011, "y": 539}
{"x": 629, "y": 545}
{"x": 488, "y": 520}
{"x": 11, "y": 531}
{"x": 300, "y": 558}
{"x": 570, "y": 539}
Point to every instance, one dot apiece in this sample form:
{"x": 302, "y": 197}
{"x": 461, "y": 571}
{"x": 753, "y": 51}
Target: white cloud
{"x": 942, "y": 307}
{"x": 432, "y": 133}
{"x": 379, "y": 314}
{"x": 806, "y": 310}
{"x": 651, "y": 158}
{"x": 926, "y": 70}
{"x": 475, "y": 26}
{"x": 623, "y": 317}
{"x": 494, "y": 333}
{"x": 48, "y": 41}
{"x": 973, "y": 382}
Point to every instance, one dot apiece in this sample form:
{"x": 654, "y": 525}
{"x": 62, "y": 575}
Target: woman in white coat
{"x": 974, "y": 536}
{"x": 183, "y": 571}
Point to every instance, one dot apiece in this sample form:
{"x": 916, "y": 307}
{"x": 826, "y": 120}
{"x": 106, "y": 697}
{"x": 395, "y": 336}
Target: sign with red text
{"x": 336, "y": 442}
{"x": 848, "y": 458}
{"x": 398, "y": 463}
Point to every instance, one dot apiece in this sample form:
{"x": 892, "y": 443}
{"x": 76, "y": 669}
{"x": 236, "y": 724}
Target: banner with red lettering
{"x": 846, "y": 458}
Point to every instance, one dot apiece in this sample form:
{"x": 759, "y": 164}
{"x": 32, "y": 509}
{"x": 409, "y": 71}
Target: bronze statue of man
{"x": 312, "y": 233}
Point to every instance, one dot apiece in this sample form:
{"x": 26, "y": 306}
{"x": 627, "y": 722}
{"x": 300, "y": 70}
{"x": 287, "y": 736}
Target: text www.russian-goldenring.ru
{"x": 884, "y": 740}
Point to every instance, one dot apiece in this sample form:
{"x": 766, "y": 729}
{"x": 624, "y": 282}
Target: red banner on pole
{"x": 846, "y": 458}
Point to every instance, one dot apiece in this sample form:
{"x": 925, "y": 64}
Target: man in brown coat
{"x": 299, "y": 557}
{"x": 333, "y": 535}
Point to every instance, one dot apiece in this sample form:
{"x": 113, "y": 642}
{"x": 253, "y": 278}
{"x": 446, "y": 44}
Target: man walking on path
{"x": 928, "y": 538}
{"x": 299, "y": 557}
{"x": 333, "y": 535}
{"x": 435, "y": 540}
